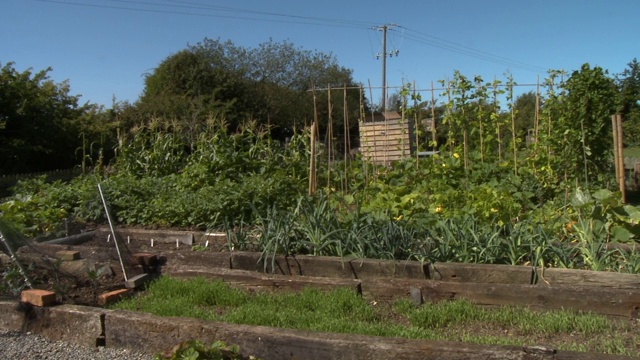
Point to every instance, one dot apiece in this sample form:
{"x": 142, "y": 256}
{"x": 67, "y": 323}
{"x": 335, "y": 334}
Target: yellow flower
{"x": 456, "y": 155}
{"x": 439, "y": 209}
{"x": 398, "y": 218}
{"x": 494, "y": 210}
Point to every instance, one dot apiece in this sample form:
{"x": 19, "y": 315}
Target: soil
{"x": 98, "y": 270}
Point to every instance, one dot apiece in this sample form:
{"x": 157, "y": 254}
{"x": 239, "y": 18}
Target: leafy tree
{"x": 525, "y": 106}
{"x": 186, "y": 89}
{"x": 40, "y": 122}
{"x": 629, "y": 86}
{"x": 269, "y": 84}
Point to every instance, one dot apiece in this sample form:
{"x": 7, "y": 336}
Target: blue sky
{"x": 104, "y": 47}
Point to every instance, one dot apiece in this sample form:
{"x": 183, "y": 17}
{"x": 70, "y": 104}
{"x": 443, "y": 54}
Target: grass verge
{"x": 343, "y": 311}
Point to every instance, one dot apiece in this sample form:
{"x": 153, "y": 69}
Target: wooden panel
{"x": 481, "y": 273}
{"x": 616, "y": 302}
{"x": 384, "y": 132}
{"x": 322, "y": 266}
{"x": 385, "y": 141}
{"x": 387, "y": 153}
{"x": 605, "y": 279}
{"x": 391, "y": 134}
{"x": 391, "y": 144}
{"x": 254, "y": 281}
{"x": 385, "y": 127}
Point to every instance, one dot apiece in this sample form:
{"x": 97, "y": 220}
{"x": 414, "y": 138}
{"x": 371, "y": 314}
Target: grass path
{"x": 342, "y": 311}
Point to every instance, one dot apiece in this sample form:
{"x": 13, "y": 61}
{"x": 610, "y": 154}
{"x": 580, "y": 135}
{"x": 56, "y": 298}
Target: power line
{"x": 266, "y": 16}
{"x": 440, "y": 43}
{"x": 302, "y": 20}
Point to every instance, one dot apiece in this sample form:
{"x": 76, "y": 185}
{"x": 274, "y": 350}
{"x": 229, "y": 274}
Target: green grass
{"x": 343, "y": 311}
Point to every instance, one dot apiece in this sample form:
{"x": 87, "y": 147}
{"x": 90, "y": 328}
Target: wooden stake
{"x": 415, "y": 126}
{"x": 345, "y": 121}
{"x": 537, "y": 113}
{"x": 375, "y": 152}
{"x": 312, "y": 161}
{"x": 480, "y": 127}
{"x": 616, "y": 153}
{"x": 513, "y": 127}
{"x": 623, "y": 188}
{"x": 495, "y": 108}
{"x": 312, "y": 156}
{"x": 329, "y": 136}
{"x": 360, "y": 124}
{"x": 434, "y": 136}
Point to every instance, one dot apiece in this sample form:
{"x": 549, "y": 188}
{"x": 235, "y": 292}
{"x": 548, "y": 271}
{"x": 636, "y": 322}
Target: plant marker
{"x": 151, "y": 242}
{"x": 206, "y": 243}
{"x": 128, "y": 240}
{"x": 177, "y": 243}
{"x": 108, "y": 237}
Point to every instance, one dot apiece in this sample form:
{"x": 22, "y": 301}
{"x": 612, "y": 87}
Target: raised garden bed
{"x": 183, "y": 254}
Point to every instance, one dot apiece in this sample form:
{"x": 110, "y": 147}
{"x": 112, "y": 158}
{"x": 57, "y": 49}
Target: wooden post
{"x": 329, "y": 137}
{"x": 373, "y": 117}
{"x": 497, "y": 112}
{"x": 621, "y": 158}
{"x": 537, "y": 112}
{"x": 513, "y": 127}
{"x": 434, "y": 136}
{"x": 416, "y": 132}
{"x": 616, "y": 154}
{"x": 312, "y": 160}
{"x": 345, "y": 149}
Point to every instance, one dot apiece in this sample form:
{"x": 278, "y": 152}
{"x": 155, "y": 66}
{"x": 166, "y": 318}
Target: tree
{"x": 40, "y": 122}
{"x": 525, "y": 106}
{"x": 189, "y": 87}
{"x": 269, "y": 84}
{"x": 629, "y": 86}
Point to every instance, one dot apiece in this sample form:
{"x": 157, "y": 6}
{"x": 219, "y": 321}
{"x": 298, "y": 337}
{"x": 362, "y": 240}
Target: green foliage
{"x": 37, "y": 207}
{"x": 522, "y": 320}
{"x": 586, "y": 124}
{"x": 471, "y": 202}
{"x": 197, "y": 350}
{"x": 525, "y": 106}
{"x": 12, "y": 281}
{"x": 40, "y": 122}
{"x": 215, "y": 79}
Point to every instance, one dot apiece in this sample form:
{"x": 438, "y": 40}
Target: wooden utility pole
{"x": 384, "y": 54}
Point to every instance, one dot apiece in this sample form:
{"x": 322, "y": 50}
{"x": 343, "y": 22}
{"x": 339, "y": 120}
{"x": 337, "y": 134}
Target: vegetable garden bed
{"x": 377, "y": 281}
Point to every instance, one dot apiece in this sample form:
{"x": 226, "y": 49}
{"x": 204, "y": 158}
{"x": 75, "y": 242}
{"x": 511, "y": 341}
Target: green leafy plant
{"x": 13, "y": 281}
{"x": 197, "y": 350}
